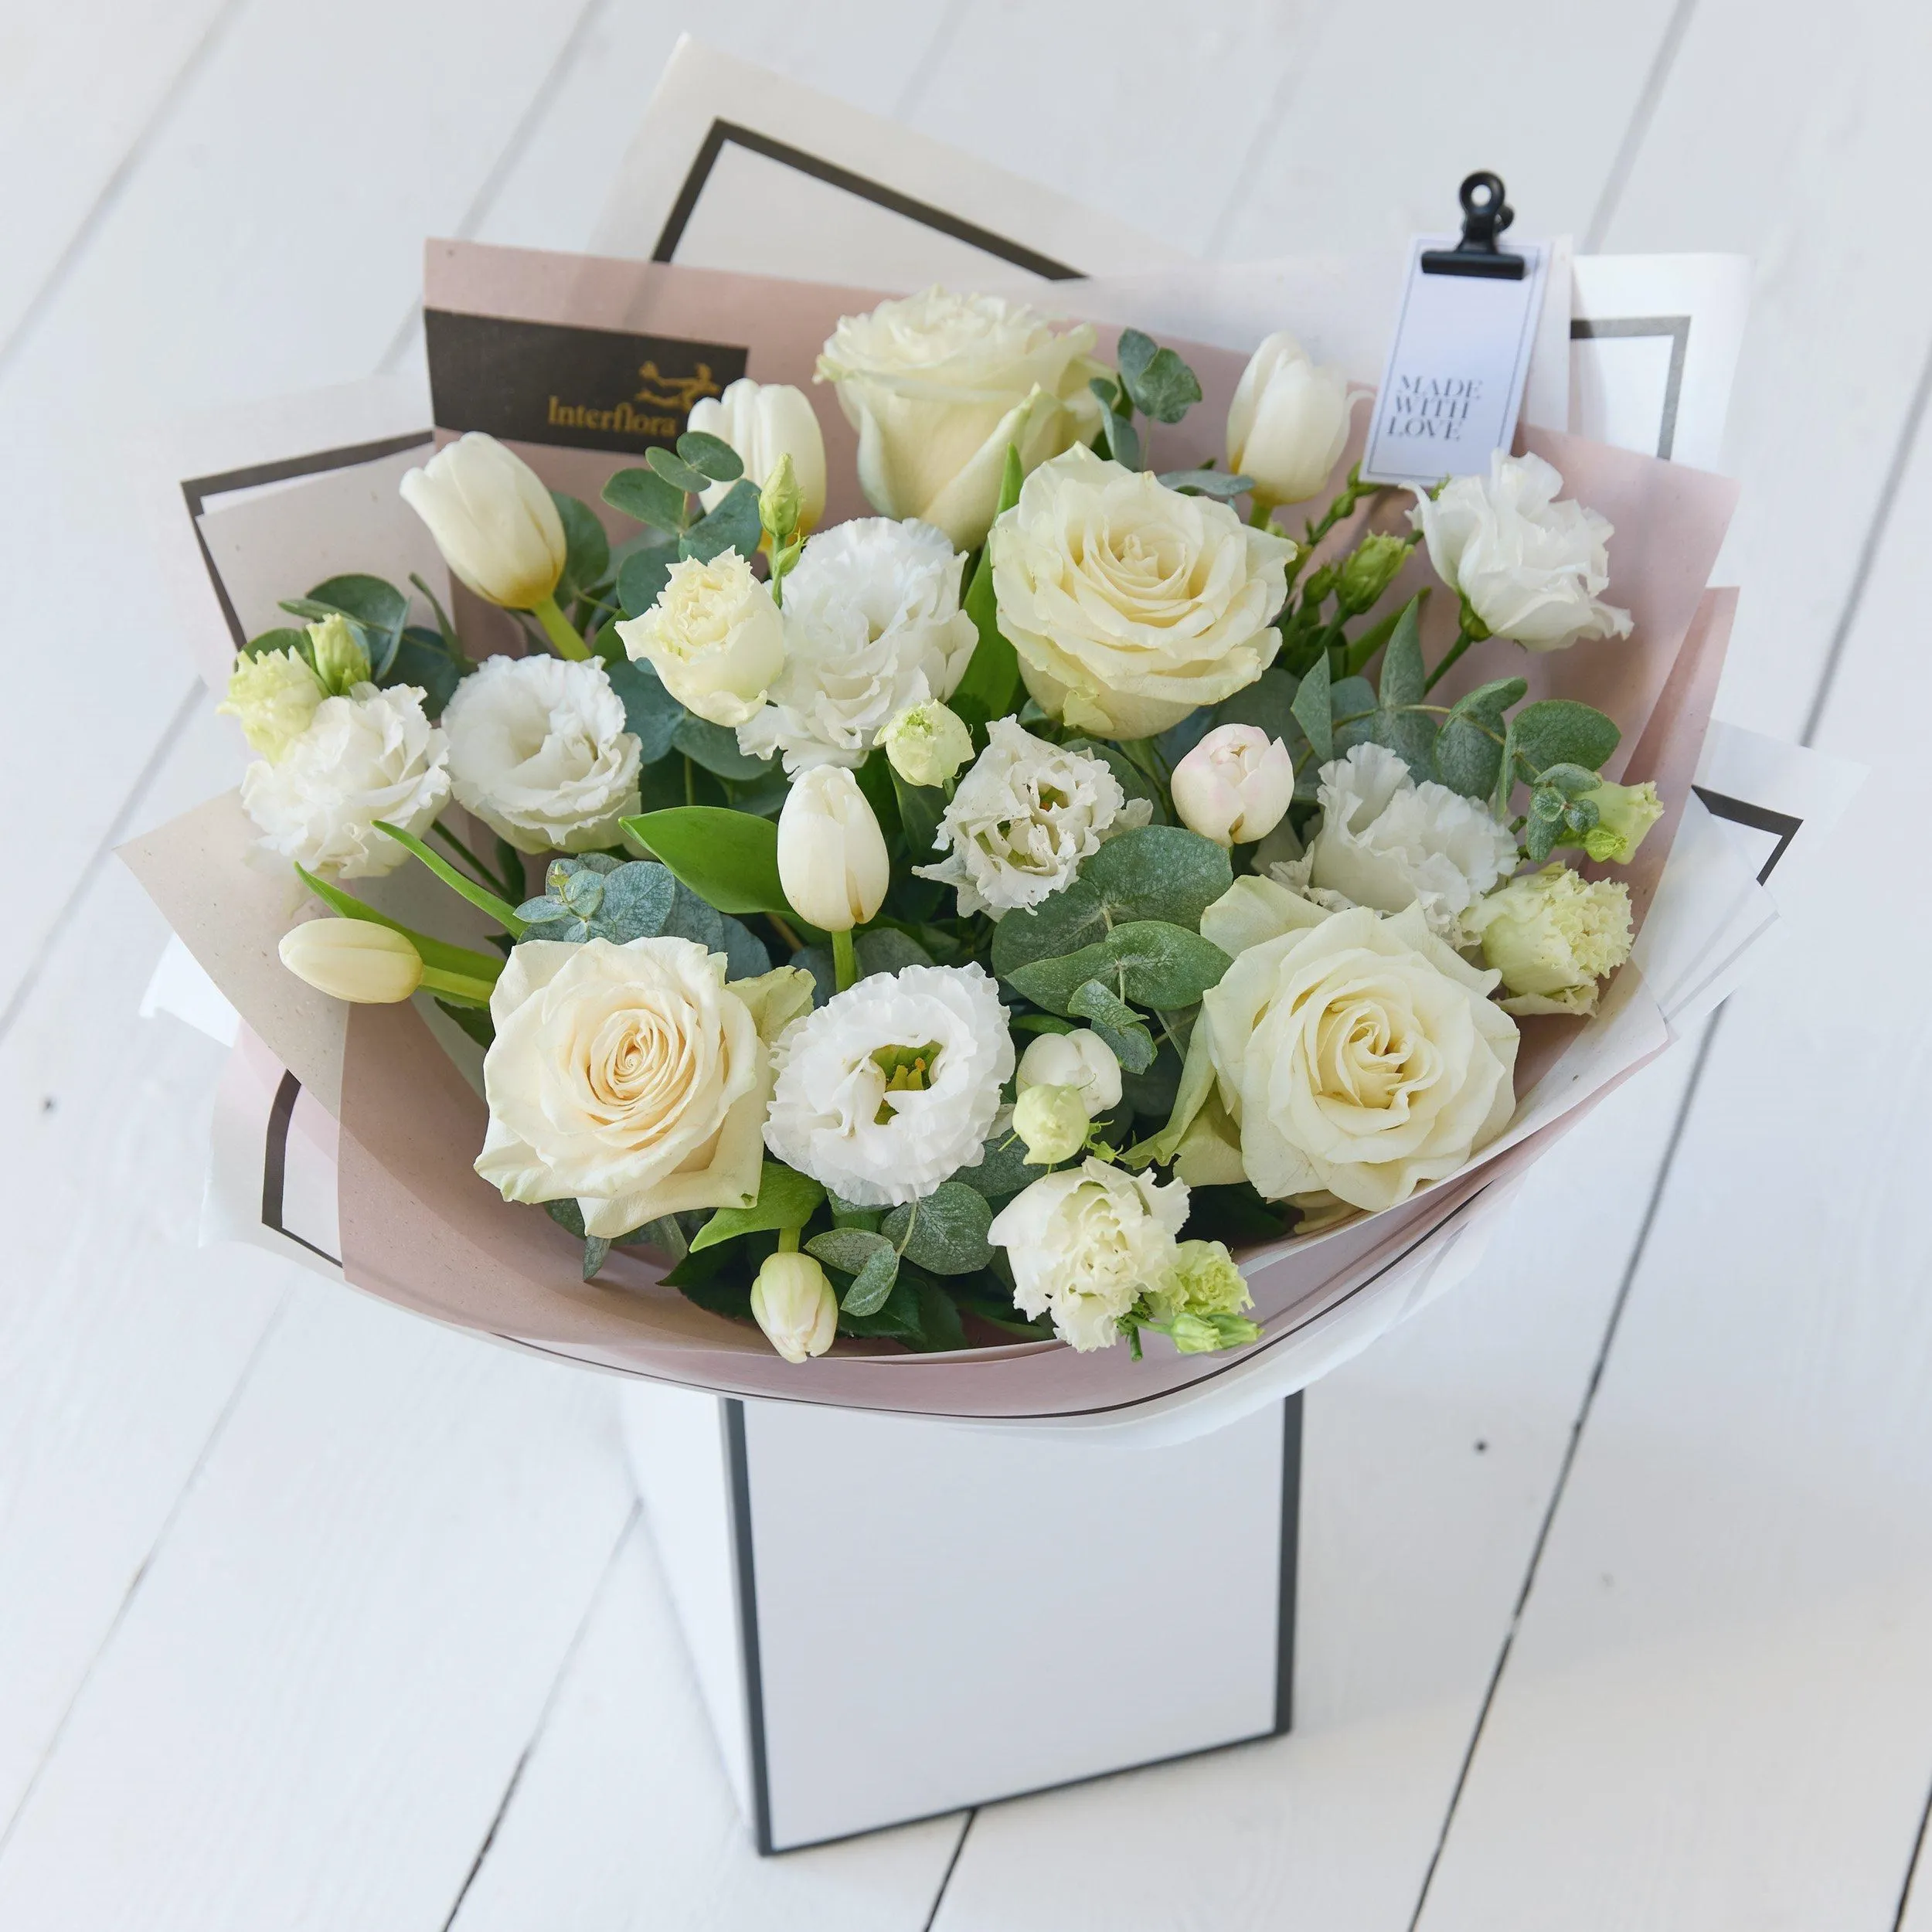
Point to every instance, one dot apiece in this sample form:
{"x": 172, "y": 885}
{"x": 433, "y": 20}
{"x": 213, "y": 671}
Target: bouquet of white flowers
{"x": 1044, "y": 911}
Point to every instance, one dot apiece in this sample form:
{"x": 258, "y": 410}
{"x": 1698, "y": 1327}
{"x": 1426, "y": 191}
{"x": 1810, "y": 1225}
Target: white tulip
{"x": 1235, "y": 786}
{"x": 1288, "y": 423}
{"x": 792, "y": 1300}
{"x": 492, "y": 519}
{"x": 1081, "y": 1059}
{"x": 764, "y": 423}
{"x": 831, "y": 855}
{"x": 353, "y": 959}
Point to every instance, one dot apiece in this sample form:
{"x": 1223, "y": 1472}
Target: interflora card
{"x": 1454, "y": 381}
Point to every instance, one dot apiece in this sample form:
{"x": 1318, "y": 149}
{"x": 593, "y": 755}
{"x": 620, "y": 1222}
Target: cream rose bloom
{"x": 1130, "y": 604}
{"x": 538, "y": 751}
{"x": 714, "y": 638}
{"x": 1356, "y": 1056}
{"x": 631, "y": 1078}
{"x": 939, "y": 386}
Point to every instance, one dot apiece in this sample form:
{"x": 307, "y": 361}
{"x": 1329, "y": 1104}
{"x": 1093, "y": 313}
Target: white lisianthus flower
{"x": 370, "y": 755}
{"x": 1130, "y": 604}
{"x": 1236, "y": 786}
{"x": 765, "y": 423}
{"x": 492, "y": 519}
{"x": 939, "y": 386}
{"x": 1552, "y": 936}
{"x": 631, "y": 1078}
{"x": 891, "y": 1087}
{"x": 1085, "y": 1244}
{"x": 1024, "y": 817}
{"x": 1288, "y": 423}
{"x": 1080, "y": 1059}
{"x": 1388, "y": 843}
{"x": 538, "y": 751}
{"x": 873, "y": 626}
{"x": 275, "y": 695}
{"x": 714, "y": 638}
{"x": 1358, "y": 1056}
{"x": 1531, "y": 568}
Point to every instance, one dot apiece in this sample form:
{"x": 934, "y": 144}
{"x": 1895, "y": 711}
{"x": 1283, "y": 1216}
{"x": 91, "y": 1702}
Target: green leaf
{"x": 376, "y": 605}
{"x": 1312, "y": 710}
{"x": 586, "y": 550}
{"x": 733, "y": 525}
{"x": 1469, "y": 747}
{"x": 1560, "y": 731}
{"x": 678, "y": 473}
{"x": 1571, "y": 781}
{"x": 1001, "y": 1169}
{"x": 504, "y": 914}
{"x": 872, "y": 1284}
{"x": 435, "y": 952}
{"x": 729, "y": 858}
{"x": 421, "y": 659}
{"x": 715, "y": 747}
{"x": 712, "y": 456}
{"x": 286, "y": 638}
{"x": 596, "y": 1251}
{"x": 946, "y": 1231}
{"x": 1216, "y": 483}
{"x": 1154, "y": 964}
{"x": 1352, "y": 705}
{"x": 1116, "y": 1023}
{"x": 1151, "y": 1093}
{"x": 1403, "y": 677}
{"x": 1412, "y": 736}
{"x": 1163, "y": 387}
{"x": 1152, "y": 872}
{"x": 650, "y": 714}
{"x": 642, "y": 577}
{"x": 992, "y": 675}
{"x": 847, "y": 1249}
{"x": 998, "y": 1311}
{"x": 1107, "y": 389}
{"x": 1359, "y": 650}
{"x": 938, "y": 1326}
{"x": 1539, "y": 837}
{"x": 1124, "y": 442}
{"x": 787, "y": 1198}
{"x": 920, "y": 809}
{"x": 645, "y": 495}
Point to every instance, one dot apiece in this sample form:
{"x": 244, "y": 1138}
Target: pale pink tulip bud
{"x": 1235, "y": 786}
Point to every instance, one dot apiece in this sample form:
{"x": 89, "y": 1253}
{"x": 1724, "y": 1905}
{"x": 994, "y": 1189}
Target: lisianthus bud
{"x": 342, "y": 662}
{"x": 275, "y": 695}
{"x": 793, "y": 1302}
{"x": 1053, "y": 1122}
{"x": 1288, "y": 423}
{"x": 1235, "y": 786}
{"x": 353, "y": 959}
{"x": 1369, "y": 569}
{"x": 492, "y": 519}
{"x": 927, "y": 744}
{"x": 775, "y": 429}
{"x": 831, "y": 855}
{"x": 1080, "y": 1060}
{"x": 1624, "y": 814}
{"x": 1551, "y": 936}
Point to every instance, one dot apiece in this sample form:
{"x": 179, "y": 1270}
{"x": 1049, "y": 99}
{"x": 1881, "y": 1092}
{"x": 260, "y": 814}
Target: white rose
{"x": 1359, "y": 1055}
{"x": 1388, "y": 842}
{"x": 891, "y": 1087}
{"x": 832, "y": 861}
{"x": 492, "y": 519}
{"x": 538, "y": 751}
{"x": 631, "y": 1078}
{"x": 1085, "y": 1244}
{"x": 1080, "y": 1059}
{"x": 370, "y": 755}
{"x": 1530, "y": 568}
{"x": 1553, "y": 936}
{"x": 1024, "y": 817}
{"x": 274, "y": 695}
{"x": 872, "y": 625}
{"x": 1130, "y": 604}
{"x": 714, "y": 638}
{"x": 765, "y": 423}
{"x": 1288, "y": 423}
{"x": 1236, "y": 786}
{"x": 940, "y": 387}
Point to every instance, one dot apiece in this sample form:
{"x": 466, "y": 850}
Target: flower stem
{"x": 457, "y": 986}
{"x": 504, "y": 914}
{"x": 844, "y": 960}
{"x": 559, "y": 629}
{"x": 1261, "y": 515}
{"x": 788, "y": 1241}
{"x": 1465, "y": 638}
{"x": 484, "y": 875}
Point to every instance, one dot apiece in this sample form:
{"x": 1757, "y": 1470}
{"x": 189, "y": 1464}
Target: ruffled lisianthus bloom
{"x": 940, "y": 387}
{"x": 1531, "y": 568}
{"x": 1552, "y": 936}
{"x": 1355, "y": 1055}
{"x": 1024, "y": 817}
{"x": 872, "y": 625}
{"x": 1387, "y": 842}
{"x": 1086, "y": 1243}
{"x": 371, "y": 755}
{"x": 274, "y": 695}
{"x": 631, "y": 1078}
{"x": 538, "y": 751}
{"x": 891, "y": 1087}
{"x": 1130, "y": 604}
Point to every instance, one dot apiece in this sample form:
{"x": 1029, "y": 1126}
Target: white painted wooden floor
{"x": 1618, "y": 1566}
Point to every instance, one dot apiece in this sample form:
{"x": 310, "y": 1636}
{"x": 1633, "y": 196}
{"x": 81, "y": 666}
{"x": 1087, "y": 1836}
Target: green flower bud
{"x": 341, "y": 662}
{"x": 779, "y": 500}
{"x": 1369, "y": 570}
{"x": 1053, "y": 1122}
{"x": 927, "y": 744}
{"x": 1552, "y": 936}
{"x": 1624, "y": 814}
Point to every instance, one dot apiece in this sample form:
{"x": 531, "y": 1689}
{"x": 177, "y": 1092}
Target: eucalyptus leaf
{"x": 587, "y": 549}
{"x": 848, "y": 1249}
{"x": 642, "y": 576}
{"x": 1403, "y": 677}
{"x": 1124, "y": 442}
{"x": 787, "y": 1198}
{"x": 375, "y": 605}
{"x": 1571, "y": 781}
{"x": 678, "y": 474}
{"x": 422, "y": 660}
{"x": 1353, "y": 707}
{"x": 1216, "y": 483}
{"x": 712, "y": 456}
{"x": 644, "y": 494}
{"x": 1411, "y": 735}
{"x": 734, "y": 525}
{"x": 1116, "y": 1023}
{"x": 1163, "y": 387}
{"x": 1469, "y": 747}
{"x": 596, "y": 1251}
{"x": 872, "y": 1284}
{"x": 285, "y": 637}
{"x": 1002, "y": 1168}
{"x": 1313, "y": 709}
{"x": 650, "y": 714}
{"x": 1559, "y": 731}
{"x": 715, "y": 747}
{"x": 945, "y": 1231}
{"x": 1153, "y": 963}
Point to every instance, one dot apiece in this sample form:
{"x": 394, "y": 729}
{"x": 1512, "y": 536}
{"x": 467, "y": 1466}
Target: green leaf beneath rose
{"x": 946, "y": 1231}
{"x": 1154, "y": 964}
{"x": 729, "y": 858}
{"x": 1116, "y": 1023}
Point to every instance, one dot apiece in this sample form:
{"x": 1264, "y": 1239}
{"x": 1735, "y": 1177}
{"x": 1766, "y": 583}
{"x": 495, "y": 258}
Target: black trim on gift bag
{"x": 275, "y": 1165}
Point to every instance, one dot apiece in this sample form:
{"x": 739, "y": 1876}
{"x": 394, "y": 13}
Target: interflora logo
{"x": 660, "y": 408}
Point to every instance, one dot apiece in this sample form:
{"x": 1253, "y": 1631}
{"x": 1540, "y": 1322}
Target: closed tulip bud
{"x": 792, "y": 1300}
{"x": 1288, "y": 423}
{"x": 1370, "y": 568}
{"x": 927, "y": 744}
{"x": 353, "y": 959}
{"x": 831, "y": 855}
{"x": 768, "y": 423}
{"x": 492, "y": 519}
{"x": 1235, "y": 786}
{"x": 1080, "y": 1060}
{"x": 342, "y": 662}
{"x": 1625, "y": 815}
{"x": 1053, "y": 1122}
